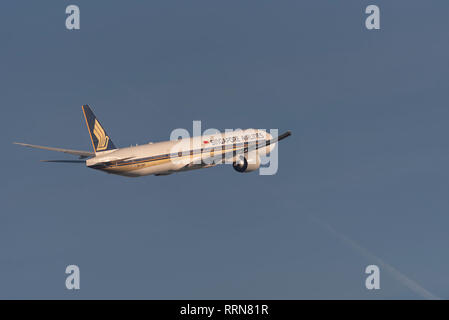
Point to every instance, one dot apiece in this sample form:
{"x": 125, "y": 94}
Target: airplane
{"x": 242, "y": 148}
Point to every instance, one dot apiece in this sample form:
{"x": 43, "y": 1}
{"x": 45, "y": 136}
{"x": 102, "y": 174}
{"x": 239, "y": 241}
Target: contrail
{"x": 412, "y": 285}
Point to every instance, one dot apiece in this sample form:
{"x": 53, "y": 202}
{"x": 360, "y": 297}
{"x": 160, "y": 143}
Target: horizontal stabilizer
{"x": 65, "y": 161}
{"x": 81, "y": 154}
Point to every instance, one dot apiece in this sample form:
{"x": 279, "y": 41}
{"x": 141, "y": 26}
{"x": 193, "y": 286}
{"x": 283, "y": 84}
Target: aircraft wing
{"x": 81, "y": 154}
{"x": 230, "y": 153}
{"x": 255, "y": 145}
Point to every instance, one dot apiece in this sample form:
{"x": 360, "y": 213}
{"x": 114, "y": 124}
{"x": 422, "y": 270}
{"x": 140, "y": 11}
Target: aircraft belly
{"x": 142, "y": 169}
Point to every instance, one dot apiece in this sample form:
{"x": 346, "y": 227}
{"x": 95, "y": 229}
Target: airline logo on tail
{"x": 101, "y": 136}
{"x": 98, "y": 135}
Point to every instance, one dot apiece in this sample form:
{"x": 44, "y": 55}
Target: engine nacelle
{"x": 247, "y": 164}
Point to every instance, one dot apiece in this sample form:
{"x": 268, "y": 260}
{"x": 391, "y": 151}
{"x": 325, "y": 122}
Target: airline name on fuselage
{"x": 236, "y": 139}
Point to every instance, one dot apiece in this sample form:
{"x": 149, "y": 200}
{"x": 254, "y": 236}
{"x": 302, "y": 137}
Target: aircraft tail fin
{"x": 98, "y": 136}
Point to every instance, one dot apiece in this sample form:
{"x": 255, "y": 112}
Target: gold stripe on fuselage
{"x": 141, "y": 164}
{"x": 134, "y": 166}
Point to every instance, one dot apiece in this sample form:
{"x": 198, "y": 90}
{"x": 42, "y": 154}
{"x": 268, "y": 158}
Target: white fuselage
{"x": 167, "y": 157}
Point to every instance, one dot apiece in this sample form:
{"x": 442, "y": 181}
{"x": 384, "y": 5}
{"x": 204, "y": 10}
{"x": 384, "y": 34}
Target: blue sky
{"x": 367, "y": 158}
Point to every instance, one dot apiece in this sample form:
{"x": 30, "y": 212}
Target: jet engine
{"x": 247, "y": 164}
